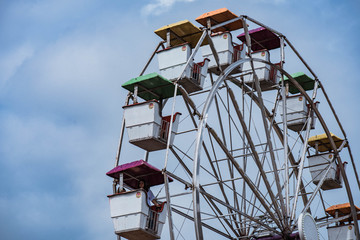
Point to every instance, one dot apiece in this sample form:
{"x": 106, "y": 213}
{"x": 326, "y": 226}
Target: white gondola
{"x": 146, "y": 128}
{"x": 130, "y": 212}
{"x": 345, "y": 232}
{"x": 133, "y": 218}
{"x": 323, "y": 159}
{"x": 172, "y": 62}
{"x": 268, "y": 76}
{"x": 297, "y": 112}
{"x": 344, "y": 229}
{"x": 318, "y": 165}
{"x": 227, "y": 51}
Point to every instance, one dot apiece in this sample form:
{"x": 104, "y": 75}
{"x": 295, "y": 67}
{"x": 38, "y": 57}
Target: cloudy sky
{"x": 62, "y": 64}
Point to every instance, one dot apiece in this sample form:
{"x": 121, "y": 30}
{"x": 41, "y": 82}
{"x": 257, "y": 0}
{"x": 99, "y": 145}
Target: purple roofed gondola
{"x": 132, "y": 216}
{"x": 261, "y": 38}
{"x": 138, "y": 170}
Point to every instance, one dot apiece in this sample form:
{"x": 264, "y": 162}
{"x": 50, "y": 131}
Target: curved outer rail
{"x": 203, "y": 122}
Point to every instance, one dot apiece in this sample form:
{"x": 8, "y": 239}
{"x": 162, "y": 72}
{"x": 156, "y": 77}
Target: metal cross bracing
{"x": 234, "y": 160}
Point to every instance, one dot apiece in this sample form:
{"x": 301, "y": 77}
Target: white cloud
{"x": 160, "y": 6}
{"x": 11, "y": 62}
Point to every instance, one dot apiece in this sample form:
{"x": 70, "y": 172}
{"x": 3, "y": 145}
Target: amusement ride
{"x": 234, "y": 145}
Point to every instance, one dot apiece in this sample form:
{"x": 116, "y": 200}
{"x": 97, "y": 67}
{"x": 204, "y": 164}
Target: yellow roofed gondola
{"x": 181, "y": 32}
{"x": 323, "y": 142}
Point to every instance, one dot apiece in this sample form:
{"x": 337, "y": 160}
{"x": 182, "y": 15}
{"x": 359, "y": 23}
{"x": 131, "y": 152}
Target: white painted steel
{"x": 346, "y": 232}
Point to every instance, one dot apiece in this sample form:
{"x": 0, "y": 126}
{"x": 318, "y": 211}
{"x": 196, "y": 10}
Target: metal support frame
{"x": 266, "y": 127}
{"x": 276, "y": 128}
{"x": 152, "y": 56}
{"x": 285, "y": 129}
{"x": 203, "y": 118}
{"x": 202, "y": 124}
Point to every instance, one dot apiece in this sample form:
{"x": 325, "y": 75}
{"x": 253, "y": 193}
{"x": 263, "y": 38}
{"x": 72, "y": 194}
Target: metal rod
{"x": 318, "y": 186}
{"x": 186, "y": 183}
{"x": 168, "y": 38}
{"x": 225, "y": 23}
{"x": 299, "y": 56}
{"x": 219, "y": 114}
{"x": 192, "y": 54}
{"x": 121, "y": 181}
{"x": 181, "y": 161}
{"x": 335, "y": 220}
{"x": 171, "y": 230}
{"x": 285, "y": 129}
{"x": 302, "y": 161}
{"x": 170, "y": 127}
{"x": 174, "y": 196}
{"x": 146, "y": 156}
{"x": 203, "y": 118}
{"x": 213, "y": 50}
{"x": 214, "y": 207}
{"x": 187, "y": 131}
{"x": 262, "y": 25}
{"x": 152, "y": 56}
{"x": 250, "y": 154}
{"x": 121, "y": 133}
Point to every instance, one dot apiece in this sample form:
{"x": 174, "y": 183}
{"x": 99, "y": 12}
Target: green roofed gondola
{"x": 305, "y": 81}
{"x": 151, "y": 86}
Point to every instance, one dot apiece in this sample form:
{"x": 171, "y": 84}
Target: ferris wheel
{"x": 234, "y": 146}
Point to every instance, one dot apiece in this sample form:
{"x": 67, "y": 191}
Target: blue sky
{"x": 62, "y": 64}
